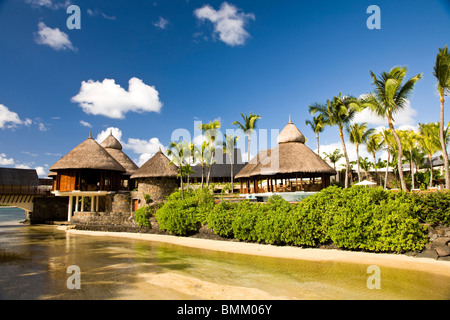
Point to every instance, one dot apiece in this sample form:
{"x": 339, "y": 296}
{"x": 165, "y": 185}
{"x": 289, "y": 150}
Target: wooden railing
{"x": 24, "y": 190}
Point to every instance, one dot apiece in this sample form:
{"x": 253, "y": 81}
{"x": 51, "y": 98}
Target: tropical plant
{"x": 248, "y": 125}
{"x": 365, "y": 164}
{"x": 429, "y": 142}
{"x": 211, "y": 132}
{"x": 317, "y": 125}
{"x": 373, "y": 145}
{"x": 339, "y": 111}
{"x": 386, "y": 140}
{"x": 389, "y": 97}
{"x": 229, "y": 146}
{"x": 441, "y": 71}
{"x": 358, "y": 134}
{"x": 334, "y": 157}
{"x": 179, "y": 152}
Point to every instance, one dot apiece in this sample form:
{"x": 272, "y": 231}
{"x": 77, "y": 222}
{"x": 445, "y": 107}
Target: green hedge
{"x": 369, "y": 219}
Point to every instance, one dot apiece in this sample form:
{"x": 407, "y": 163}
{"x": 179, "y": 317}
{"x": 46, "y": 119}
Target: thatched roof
{"x": 88, "y": 155}
{"x": 114, "y": 148}
{"x": 18, "y": 177}
{"x": 291, "y": 156}
{"x": 157, "y": 166}
{"x": 290, "y": 134}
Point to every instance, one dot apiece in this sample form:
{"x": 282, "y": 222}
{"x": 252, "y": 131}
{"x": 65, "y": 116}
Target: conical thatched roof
{"x": 88, "y": 155}
{"x": 289, "y": 157}
{"x": 157, "y": 166}
{"x": 114, "y": 148}
{"x": 290, "y": 134}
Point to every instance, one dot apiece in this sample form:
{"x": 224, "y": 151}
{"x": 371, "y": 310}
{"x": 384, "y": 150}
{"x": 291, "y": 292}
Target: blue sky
{"x": 147, "y": 68}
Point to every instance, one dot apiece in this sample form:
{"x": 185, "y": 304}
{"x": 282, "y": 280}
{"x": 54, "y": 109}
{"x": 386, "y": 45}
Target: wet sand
{"x": 380, "y": 259}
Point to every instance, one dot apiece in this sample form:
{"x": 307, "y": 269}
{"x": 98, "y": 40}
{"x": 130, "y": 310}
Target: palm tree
{"x": 211, "y": 132}
{"x": 388, "y": 98}
{"x": 202, "y": 156}
{"x": 429, "y": 141}
{"x": 193, "y": 157}
{"x": 340, "y": 111}
{"x": 442, "y": 74}
{"x": 248, "y": 126}
{"x": 179, "y": 152}
{"x": 373, "y": 145}
{"x": 358, "y": 133}
{"x": 365, "y": 164}
{"x": 410, "y": 142}
{"x": 334, "y": 157}
{"x": 228, "y": 147}
{"x": 317, "y": 125}
{"x": 386, "y": 137}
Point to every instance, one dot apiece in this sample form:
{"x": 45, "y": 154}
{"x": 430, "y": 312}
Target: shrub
{"x": 220, "y": 218}
{"x": 142, "y": 217}
{"x": 178, "y": 217}
{"x": 433, "y": 208}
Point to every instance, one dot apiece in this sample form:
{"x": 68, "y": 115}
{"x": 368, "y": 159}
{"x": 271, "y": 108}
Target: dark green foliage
{"x": 358, "y": 218}
{"x": 142, "y": 216}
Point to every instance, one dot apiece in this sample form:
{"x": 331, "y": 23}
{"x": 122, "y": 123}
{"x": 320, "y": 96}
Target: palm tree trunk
{"x": 443, "y": 145}
{"x": 203, "y": 172}
{"x": 347, "y": 162}
{"x": 375, "y": 166}
{"x": 248, "y": 155}
{"x": 431, "y": 170}
{"x": 231, "y": 161}
{"x": 318, "y": 145}
{"x": 357, "y": 161}
{"x": 411, "y": 167}
{"x": 181, "y": 182}
{"x": 387, "y": 168}
{"x": 399, "y": 156}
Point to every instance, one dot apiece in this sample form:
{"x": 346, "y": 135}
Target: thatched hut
{"x": 114, "y": 148}
{"x": 157, "y": 178}
{"x": 291, "y": 166}
{"x": 86, "y": 171}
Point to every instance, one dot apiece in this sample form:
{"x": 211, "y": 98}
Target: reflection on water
{"x": 34, "y": 261}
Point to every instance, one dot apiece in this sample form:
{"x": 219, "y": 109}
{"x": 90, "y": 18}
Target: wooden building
{"x": 114, "y": 148}
{"x": 86, "y": 171}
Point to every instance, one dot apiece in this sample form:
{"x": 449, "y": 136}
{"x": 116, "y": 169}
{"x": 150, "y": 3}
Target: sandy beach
{"x": 287, "y": 252}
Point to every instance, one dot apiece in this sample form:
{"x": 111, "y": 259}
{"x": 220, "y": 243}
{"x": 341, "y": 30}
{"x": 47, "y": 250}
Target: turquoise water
{"x": 34, "y": 262}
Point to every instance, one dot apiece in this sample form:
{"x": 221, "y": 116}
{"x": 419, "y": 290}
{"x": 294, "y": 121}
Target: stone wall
{"x": 117, "y": 215}
{"x": 157, "y": 188}
{"x": 439, "y": 246}
{"x": 49, "y": 208}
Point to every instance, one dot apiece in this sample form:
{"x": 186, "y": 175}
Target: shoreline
{"x": 397, "y": 261}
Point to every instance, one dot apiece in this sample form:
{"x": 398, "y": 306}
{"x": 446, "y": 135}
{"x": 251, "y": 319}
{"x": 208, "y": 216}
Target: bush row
{"x": 356, "y": 218}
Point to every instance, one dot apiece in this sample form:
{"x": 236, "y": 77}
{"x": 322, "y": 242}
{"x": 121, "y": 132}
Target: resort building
{"x": 289, "y": 167}
{"x": 221, "y": 169}
{"x": 156, "y": 178}
{"x": 114, "y": 148}
{"x": 86, "y": 172}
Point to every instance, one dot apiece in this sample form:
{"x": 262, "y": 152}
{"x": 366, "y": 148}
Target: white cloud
{"x": 110, "y": 100}
{"x": 85, "y": 124}
{"x": 41, "y": 172}
{"x": 96, "y": 12}
{"x": 4, "y": 161}
{"x": 54, "y": 38}
{"x": 8, "y": 118}
{"x": 404, "y": 117}
{"x": 228, "y": 22}
{"x": 144, "y": 148}
{"x": 50, "y": 4}
{"x": 116, "y": 132}
{"x": 161, "y": 23}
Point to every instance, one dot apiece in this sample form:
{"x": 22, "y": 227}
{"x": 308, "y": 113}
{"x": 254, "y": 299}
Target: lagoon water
{"x": 34, "y": 262}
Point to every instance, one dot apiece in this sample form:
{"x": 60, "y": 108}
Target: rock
{"x": 441, "y": 241}
{"x": 443, "y": 250}
{"x": 428, "y": 254}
